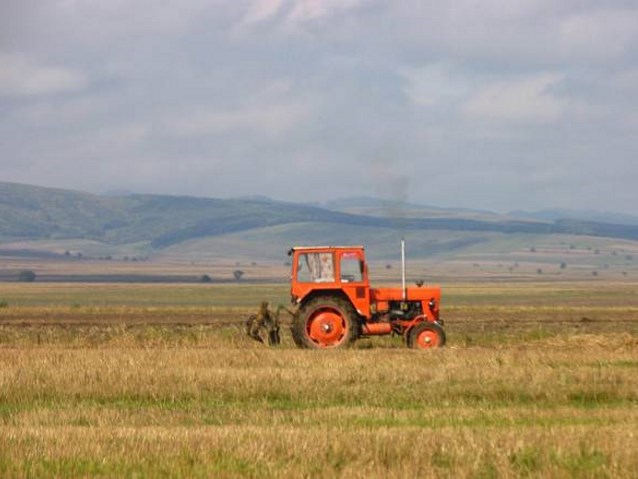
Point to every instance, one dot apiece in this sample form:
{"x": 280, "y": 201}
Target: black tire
{"x": 426, "y": 335}
{"x": 339, "y": 327}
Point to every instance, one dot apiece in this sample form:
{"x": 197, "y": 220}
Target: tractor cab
{"x": 331, "y": 269}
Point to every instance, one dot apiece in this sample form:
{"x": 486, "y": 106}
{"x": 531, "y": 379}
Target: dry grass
{"x": 97, "y": 394}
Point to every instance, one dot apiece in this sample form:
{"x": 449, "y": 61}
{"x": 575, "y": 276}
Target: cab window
{"x": 351, "y": 268}
{"x": 315, "y": 268}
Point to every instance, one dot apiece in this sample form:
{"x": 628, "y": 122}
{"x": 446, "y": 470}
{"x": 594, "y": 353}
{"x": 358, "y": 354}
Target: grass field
{"x": 538, "y": 380}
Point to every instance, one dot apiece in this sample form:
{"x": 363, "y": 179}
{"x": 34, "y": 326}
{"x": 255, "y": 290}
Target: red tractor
{"x": 336, "y": 305}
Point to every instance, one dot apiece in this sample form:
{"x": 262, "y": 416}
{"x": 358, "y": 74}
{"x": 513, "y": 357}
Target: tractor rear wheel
{"x": 426, "y": 335}
{"x": 325, "y": 322}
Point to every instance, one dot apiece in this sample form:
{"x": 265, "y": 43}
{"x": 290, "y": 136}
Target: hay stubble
{"x": 109, "y": 397}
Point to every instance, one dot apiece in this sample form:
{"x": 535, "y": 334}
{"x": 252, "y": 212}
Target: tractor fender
{"x": 336, "y": 293}
{"x": 318, "y": 293}
{"x": 409, "y": 324}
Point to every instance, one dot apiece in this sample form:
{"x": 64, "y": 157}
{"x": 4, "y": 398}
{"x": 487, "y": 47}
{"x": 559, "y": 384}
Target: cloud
{"x": 294, "y": 13}
{"x": 528, "y": 100}
{"x": 306, "y": 10}
{"x": 433, "y": 83}
{"x": 272, "y": 109}
{"x": 271, "y": 120}
{"x": 20, "y": 76}
{"x": 261, "y": 10}
{"x": 46, "y": 111}
{"x": 478, "y": 103}
{"x": 599, "y": 34}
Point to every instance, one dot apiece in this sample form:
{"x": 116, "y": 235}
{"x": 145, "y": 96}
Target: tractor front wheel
{"x": 325, "y": 322}
{"x": 426, "y": 335}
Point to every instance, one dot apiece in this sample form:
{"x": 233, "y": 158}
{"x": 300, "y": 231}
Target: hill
{"x": 36, "y": 213}
{"x": 151, "y": 224}
{"x": 369, "y": 206}
{"x": 582, "y": 215}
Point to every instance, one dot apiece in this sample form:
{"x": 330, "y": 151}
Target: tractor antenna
{"x": 403, "y": 269}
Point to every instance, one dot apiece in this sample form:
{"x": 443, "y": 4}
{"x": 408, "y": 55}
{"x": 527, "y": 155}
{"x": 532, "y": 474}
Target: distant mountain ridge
{"x": 581, "y": 215}
{"x": 550, "y": 215}
{"x": 342, "y": 204}
{"x": 34, "y": 213}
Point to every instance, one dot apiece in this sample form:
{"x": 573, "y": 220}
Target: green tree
{"x": 26, "y": 276}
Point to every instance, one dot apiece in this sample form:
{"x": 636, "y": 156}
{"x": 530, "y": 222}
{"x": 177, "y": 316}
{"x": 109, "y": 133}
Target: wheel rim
{"x": 427, "y": 339}
{"x": 327, "y": 328}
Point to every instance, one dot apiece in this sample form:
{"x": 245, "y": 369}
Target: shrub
{"x": 26, "y": 276}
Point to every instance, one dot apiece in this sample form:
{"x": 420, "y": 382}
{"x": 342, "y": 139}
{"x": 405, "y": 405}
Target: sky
{"x": 497, "y": 105}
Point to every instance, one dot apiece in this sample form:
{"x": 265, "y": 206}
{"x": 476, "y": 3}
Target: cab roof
{"x": 299, "y": 248}
{"x": 325, "y": 248}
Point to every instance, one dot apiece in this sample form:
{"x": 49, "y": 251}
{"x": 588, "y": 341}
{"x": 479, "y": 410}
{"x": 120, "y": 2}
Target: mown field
{"x": 537, "y": 380}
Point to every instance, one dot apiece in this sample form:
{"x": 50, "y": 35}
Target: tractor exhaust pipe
{"x": 403, "y": 269}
